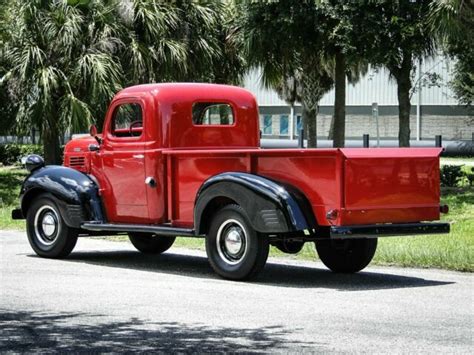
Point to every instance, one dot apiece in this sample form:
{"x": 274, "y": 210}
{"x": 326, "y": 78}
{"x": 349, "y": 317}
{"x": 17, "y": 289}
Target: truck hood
{"x": 79, "y": 144}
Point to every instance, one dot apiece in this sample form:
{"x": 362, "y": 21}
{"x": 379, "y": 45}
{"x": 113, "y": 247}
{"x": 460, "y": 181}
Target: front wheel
{"x": 346, "y": 256}
{"x": 48, "y": 234}
{"x": 234, "y": 249}
{"x": 151, "y": 244}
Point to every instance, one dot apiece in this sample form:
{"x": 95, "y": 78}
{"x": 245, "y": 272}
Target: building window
{"x": 284, "y": 125}
{"x": 299, "y": 125}
{"x": 267, "y": 124}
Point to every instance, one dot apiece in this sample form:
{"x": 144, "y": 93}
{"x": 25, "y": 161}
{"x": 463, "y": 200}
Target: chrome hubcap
{"x": 231, "y": 241}
{"x": 46, "y": 225}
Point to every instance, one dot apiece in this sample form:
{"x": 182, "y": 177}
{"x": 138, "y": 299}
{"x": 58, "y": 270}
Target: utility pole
{"x": 418, "y": 105}
{"x": 375, "y": 115}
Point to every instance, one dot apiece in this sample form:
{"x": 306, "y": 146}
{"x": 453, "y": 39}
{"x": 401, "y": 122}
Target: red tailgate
{"x": 390, "y": 185}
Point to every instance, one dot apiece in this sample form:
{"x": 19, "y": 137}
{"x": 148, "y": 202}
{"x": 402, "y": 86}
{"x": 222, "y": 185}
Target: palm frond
{"x": 75, "y": 114}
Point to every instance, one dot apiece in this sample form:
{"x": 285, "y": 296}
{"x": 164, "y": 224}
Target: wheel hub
{"x": 231, "y": 241}
{"x": 46, "y": 225}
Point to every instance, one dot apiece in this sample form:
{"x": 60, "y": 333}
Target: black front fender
{"x": 270, "y": 206}
{"x": 76, "y": 193}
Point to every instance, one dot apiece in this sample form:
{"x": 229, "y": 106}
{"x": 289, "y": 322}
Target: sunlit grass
{"x": 10, "y": 184}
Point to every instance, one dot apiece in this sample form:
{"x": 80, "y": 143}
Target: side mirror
{"x": 93, "y": 133}
{"x": 93, "y": 130}
{"x": 93, "y": 148}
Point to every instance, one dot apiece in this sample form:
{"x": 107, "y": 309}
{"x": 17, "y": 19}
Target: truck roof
{"x": 189, "y": 90}
{"x": 171, "y": 106}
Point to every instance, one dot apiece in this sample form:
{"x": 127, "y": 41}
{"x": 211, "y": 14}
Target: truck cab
{"x": 185, "y": 160}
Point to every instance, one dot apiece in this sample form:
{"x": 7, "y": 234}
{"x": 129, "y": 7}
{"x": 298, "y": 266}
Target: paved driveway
{"x": 108, "y": 297}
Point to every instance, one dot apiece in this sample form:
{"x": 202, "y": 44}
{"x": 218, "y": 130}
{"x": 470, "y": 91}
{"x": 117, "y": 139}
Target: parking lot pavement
{"x": 108, "y": 297}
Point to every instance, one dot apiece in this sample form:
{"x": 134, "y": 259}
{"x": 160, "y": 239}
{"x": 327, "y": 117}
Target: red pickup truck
{"x": 185, "y": 160}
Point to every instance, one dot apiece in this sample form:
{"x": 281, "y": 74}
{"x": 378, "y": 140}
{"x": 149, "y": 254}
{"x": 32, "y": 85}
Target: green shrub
{"x": 11, "y": 154}
{"x": 470, "y": 176}
{"x": 451, "y": 175}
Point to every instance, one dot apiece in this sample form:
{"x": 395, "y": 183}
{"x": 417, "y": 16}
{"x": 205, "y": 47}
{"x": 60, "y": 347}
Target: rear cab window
{"x": 213, "y": 114}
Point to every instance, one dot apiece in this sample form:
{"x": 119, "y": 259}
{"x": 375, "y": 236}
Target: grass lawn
{"x": 457, "y": 161}
{"x": 454, "y": 251}
{"x": 10, "y": 183}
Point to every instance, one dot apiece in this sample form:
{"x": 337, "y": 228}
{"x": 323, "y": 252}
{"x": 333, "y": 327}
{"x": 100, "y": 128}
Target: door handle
{"x": 150, "y": 181}
{"x": 138, "y": 156}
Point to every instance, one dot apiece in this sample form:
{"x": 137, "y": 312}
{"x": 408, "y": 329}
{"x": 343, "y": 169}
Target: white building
{"x": 434, "y": 109}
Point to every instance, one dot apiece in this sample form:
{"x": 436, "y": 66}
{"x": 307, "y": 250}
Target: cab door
{"x": 123, "y": 163}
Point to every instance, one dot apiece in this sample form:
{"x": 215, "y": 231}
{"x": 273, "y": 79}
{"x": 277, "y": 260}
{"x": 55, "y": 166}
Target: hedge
{"x": 11, "y": 154}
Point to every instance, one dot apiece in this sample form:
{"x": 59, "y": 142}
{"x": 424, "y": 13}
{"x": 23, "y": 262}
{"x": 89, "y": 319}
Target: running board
{"x": 139, "y": 228}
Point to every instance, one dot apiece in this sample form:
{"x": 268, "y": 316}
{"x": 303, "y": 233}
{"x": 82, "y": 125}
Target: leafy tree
{"x": 66, "y": 59}
{"x": 62, "y": 62}
{"x": 453, "y": 22}
{"x": 230, "y": 65}
{"x": 182, "y": 41}
{"x": 340, "y": 47}
{"x": 395, "y": 34}
{"x": 284, "y": 38}
{"x": 7, "y": 108}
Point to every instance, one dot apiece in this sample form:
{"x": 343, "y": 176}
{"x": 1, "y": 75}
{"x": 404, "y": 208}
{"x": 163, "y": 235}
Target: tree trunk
{"x": 309, "y": 124}
{"x": 310, "y": 96}
{"x": 339, "y": 132}
{"x": 404, "y": 105}
{"x": 331, "y": 129}
{"x": 305, "y": 117}
{"x": 50, "y": 136}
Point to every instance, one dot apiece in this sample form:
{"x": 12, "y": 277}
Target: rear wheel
{"x": 48, "y": 234}
{"x": 150, "y": 243}
{"x": 346, "y": 256}
{"x": 234, "y": 249}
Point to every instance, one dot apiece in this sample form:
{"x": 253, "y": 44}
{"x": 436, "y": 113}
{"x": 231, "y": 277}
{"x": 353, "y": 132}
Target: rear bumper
{"x": 387, "y": 230}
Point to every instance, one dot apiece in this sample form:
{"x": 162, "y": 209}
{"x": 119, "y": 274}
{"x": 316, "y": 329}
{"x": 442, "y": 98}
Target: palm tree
{"x": 68, "y": 58}
{"x": 395, "y": 37}
{"x": 63, "y": 61}
{"x": 285, "y": 37}
{"x": 353, "y": 72}
{"x": 229, "y": 64}
{"x": 453, "y": 23}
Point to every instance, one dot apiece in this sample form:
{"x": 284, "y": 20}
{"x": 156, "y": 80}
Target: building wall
{"x": 453, "y": 124}
{"x": 375, "y": 86}
{"x": 440, "y": 113}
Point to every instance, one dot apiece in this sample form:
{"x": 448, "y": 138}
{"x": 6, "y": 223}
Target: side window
{"x": 127, "y": 121}
{"x": 212, "y": 113}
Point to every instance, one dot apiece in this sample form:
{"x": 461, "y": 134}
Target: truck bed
{"x": 359, "y": 186}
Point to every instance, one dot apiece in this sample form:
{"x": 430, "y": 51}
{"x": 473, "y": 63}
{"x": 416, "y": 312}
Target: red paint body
{"x": 365, "y": 186}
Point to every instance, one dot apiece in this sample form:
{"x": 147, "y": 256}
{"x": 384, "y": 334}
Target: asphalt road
{"x": 108, "y": 297}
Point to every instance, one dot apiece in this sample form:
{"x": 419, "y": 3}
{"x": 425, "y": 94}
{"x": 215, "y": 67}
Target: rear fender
{"x": 76, "y": 193}
{"x": 269, "y": 205}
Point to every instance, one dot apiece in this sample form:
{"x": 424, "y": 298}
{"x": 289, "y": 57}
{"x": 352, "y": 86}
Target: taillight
{"x": 444, "y": 208}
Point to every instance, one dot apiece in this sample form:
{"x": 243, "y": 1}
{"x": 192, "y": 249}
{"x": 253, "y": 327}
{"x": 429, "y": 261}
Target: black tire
{"x": 151, "y": 244}
{"x": 346, "y": 256}
{"x": 48, "y": 234}
{"x": 234, "y": 249}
